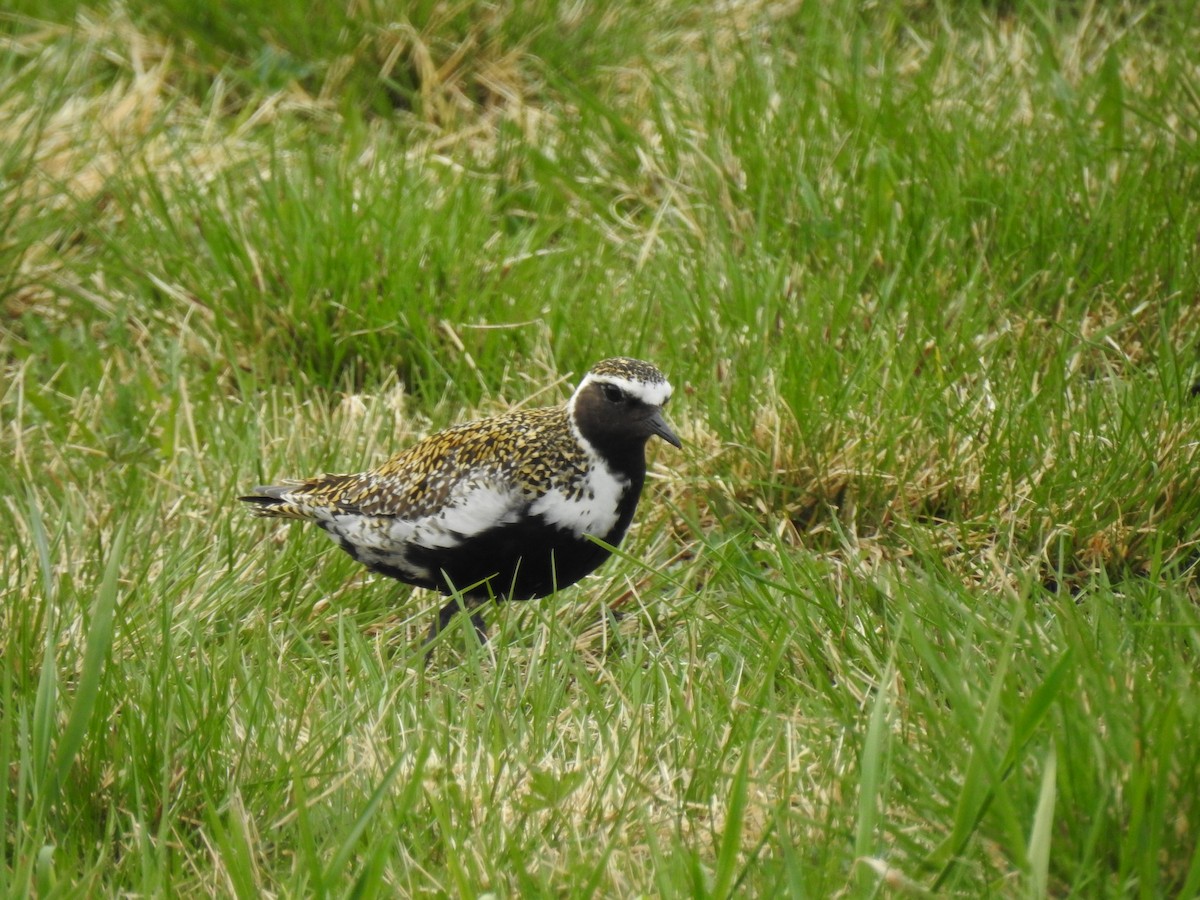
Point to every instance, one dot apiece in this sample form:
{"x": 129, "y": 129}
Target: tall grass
{"x": 913, "y": 610}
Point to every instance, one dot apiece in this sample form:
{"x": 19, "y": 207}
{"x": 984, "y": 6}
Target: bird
{"x": 512, "y": 507}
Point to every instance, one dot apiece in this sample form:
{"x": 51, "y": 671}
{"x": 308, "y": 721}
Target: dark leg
{"x": 611, "y": 620}
{"x": 480, "y": 627}
{"x": 452, "y": 608}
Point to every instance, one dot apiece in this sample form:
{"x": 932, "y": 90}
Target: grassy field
{"x": 914, "y": 610}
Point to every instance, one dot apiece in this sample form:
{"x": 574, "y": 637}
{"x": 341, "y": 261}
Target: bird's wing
{"x": 468, "y": 476}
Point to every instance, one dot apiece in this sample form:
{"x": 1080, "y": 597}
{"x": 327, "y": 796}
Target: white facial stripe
{"x": 655, "y": 394}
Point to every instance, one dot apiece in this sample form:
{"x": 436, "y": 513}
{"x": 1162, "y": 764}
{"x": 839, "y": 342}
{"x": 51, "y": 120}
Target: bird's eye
{"x": 612, "y": 393}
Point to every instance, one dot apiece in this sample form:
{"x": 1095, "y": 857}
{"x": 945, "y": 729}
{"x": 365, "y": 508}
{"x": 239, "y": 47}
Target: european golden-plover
{"x": 503, "y": 508}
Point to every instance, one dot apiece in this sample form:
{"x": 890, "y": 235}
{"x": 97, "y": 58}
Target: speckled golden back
{"x": 531, "y": 450}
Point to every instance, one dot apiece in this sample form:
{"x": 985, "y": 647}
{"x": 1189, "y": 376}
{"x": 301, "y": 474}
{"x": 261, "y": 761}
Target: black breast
{"x": 521, "y": 561}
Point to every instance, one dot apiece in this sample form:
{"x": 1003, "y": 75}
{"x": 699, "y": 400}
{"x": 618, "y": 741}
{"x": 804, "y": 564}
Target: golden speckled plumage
{"x": 532, "y": 449}
{"x": 629, "y": 369}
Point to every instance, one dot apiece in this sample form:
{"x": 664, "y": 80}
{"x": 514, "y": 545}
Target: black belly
{"x": 522, "y": 561}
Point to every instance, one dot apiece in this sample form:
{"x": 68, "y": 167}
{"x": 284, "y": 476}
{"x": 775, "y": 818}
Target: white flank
{"x": 377, "y": 540}
{"x": 472, "y": 509}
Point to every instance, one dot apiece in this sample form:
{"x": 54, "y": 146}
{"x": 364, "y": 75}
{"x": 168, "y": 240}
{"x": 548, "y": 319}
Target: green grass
{"x": 915, "y": 609}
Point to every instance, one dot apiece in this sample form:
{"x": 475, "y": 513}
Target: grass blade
{"x": 735, "y": 821}
{"x": 340, "y": 859}
{"x": 1039, "y": 835}
{"x": 1037, "y": 707}
{"x": 42, "y": 727}
{"x": 969, "y": 816}
{"x": 873, "y": 766}
{"x": 99, "y": 642}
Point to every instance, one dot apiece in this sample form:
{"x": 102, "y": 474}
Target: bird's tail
{"x": 315, "y": 498}
{"x": 272, "y": 501}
